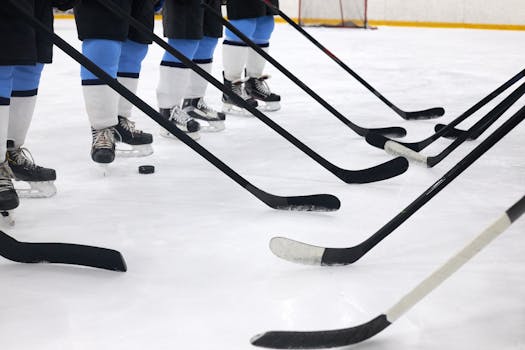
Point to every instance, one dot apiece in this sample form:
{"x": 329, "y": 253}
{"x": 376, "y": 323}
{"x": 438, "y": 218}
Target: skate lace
{"x": 203, "y": 106}
{"x": 179, "y": 115}
{"x": 6, "y": 174}
{"x": 104, "y": 138}
{"x": 262, "y": 86}
{"x": 21, "y": 156}
{"x": 128, "y": 125}
{"x": 237, "y": 87}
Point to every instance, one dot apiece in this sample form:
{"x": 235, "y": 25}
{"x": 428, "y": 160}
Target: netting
{"x": 333, "y": 13}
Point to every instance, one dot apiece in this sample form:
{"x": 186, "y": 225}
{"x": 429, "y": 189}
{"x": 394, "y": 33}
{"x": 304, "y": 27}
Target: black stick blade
{"x": 321, "y": 339}
{"x": 60, "y": 253}
{"x": 430, "y": 113}
{"x": 384, "y": 171}
{"x": 453, "y": 133}
{"x": 316, "y": 202}
{"x": 394, "y": 131}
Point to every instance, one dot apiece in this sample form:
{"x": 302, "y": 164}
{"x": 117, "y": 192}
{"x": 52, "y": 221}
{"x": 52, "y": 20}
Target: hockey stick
{"x": 415, "y": 115}
{"x": 393, "y": 131}
{"x": 353, "y": 335}
{"x": 483, "y": 124}
{"x": 313, "y": 255}
{"x": 60, "y": 253}
{"x": 420, "y": 145}
{"x": 380, "y": 172}
{"x": 321, "y": 202}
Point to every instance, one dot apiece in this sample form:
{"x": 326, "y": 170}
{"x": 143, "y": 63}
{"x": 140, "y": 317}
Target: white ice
{"x": 201, "y": 275}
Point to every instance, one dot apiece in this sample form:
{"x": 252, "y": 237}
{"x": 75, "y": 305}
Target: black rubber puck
{"x": 146, "y": 169}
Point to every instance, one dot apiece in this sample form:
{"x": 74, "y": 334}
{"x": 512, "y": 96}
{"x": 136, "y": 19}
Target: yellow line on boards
{"x": 393, "y": 23}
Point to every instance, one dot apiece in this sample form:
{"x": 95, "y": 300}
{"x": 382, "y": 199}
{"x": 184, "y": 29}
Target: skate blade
{"x": 213, "y": 126}
{"x": 269, "y": 107}
{"x": 165, "y": 133}
{"x": 234, "y": 110}
{"x": 136, "y": 151}
{"x": 40, "y": 189}
{"x": 8, "y": 218}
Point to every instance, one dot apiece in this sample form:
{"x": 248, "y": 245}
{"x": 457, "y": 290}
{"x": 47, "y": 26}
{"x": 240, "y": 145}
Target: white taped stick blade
{"x": 396, "y": 149}
{"x": 297, "y": 252}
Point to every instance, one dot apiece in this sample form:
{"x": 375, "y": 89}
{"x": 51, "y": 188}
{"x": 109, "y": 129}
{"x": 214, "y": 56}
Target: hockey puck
{"x": 146, "y": 169}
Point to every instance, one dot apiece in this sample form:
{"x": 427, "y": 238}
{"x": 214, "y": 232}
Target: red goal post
{"x": 334, "y": 13}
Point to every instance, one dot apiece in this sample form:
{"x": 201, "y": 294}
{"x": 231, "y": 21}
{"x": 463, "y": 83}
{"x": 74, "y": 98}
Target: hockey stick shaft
{"x": 433, "y": 112}
{"x": 457, "y": 261}
{"x": 60, "y": 253}
{"x": 270, "y": 200}
{"x": 381, "y": 172}
{"x": 356, "y": 128}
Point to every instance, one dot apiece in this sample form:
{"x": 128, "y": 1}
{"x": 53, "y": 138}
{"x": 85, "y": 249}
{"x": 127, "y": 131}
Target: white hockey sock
{"x": 173, "y": 84}
{"x": 234, "y": 60}
{"x": 197, "y": 86}
{"x": 101, "y": 105}
{"x": 124, "y": 106}
{"x": 4, "y": 124}
{"x": 255, "y": 63}
{"x": 20, "y": 116}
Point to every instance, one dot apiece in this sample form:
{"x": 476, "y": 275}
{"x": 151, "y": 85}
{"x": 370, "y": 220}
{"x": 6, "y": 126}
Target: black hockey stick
{"x": 483, "y": 124}
{"x": 420, "y": 145}
{"x": 380, "y": 172}
{"x": 313, "y": 255}
{"x": 321, "y": 202}
{"x": 424, "y": 114}
{"x": 60, "y": 253}
{"x": 392, "y": 131}
{"x": 353, "y": 335}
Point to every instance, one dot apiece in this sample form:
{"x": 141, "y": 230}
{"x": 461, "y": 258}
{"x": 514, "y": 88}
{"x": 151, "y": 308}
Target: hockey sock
{"x": 204, "y": 59}
{"x": 131, "y": 57}
{"x": 255, "y": 62}
{"x": 4, "y": 122}
{"x": 173, "y": 83}
{"x": 234, "y": 57}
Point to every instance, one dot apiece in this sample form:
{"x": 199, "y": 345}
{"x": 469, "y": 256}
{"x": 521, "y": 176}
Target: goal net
{"x": 333, "y": 13}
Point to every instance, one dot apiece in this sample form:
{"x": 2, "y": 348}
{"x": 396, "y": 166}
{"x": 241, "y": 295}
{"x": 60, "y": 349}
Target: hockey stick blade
{"x": 452, "y": 133}
{"x": 383, "y": 171}
{"x": 321, "y": 339}
{"x": 60, "y": 253}
{"x": 430, "y": 113}
{"x": 352, "y": 335}
{"x": 319, "y": 202}
{"x": 395, "y": 148}
{"x": 303, "y": 253}
{"x": 393, "y": 131}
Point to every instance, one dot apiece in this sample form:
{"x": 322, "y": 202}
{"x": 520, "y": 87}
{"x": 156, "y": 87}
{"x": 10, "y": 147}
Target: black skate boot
{"x": 198, "y": 109}
{"x": 8, "y": 196}
{"x": 103, "y": 146}
{"x": 139, "y": 141}
{"x": 181, "y": 120}
{"x": 258, "y": 89}
{"x": 40, "y": 179}
{"x": 229, "y": 106}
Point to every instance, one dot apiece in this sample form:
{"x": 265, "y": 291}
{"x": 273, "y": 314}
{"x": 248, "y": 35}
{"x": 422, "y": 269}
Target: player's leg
{"x": 132, "y": 55}
{"x": 183, "y": 27}
{"x": 26, "y": 80}
{"x": 194, "y": 103}
{"x": 234, "y": 56}
{"x": 256, "y": 85}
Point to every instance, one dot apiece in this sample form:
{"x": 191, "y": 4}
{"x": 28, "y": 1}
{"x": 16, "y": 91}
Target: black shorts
{"x": 22, "y": 44}
{"x": 190, "y": 20}
{"x": 95, "y": 21}
{"x": 241, "y": 9}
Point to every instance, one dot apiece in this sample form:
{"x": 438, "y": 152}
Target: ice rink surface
{"x": 201, "y": 275}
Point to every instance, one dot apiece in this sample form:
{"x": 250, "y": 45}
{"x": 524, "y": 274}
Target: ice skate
{"x": 181, "y": 120}
{"x": 198, "y": 109}
{"x": 103, "y": 147}
{"x": 229, "y": 106}
{"x": 40, "y": 180}
{"x": 139, "y": 141}
{"x": 258, "y": 89}
{"x": 8, "y": 196}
